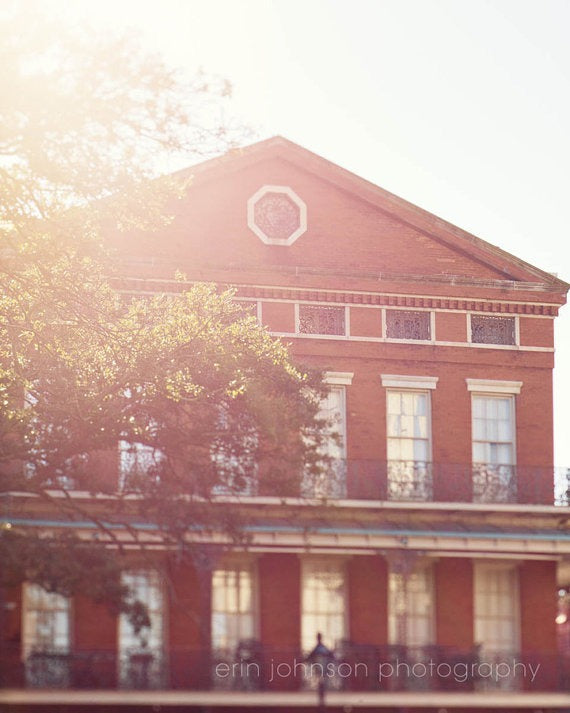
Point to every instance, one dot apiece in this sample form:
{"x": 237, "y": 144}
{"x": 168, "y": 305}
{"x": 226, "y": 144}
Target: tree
{"x": 188, "y": 382}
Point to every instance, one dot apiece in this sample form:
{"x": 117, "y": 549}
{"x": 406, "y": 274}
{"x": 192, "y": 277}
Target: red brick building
{"x": 431, "y": 555}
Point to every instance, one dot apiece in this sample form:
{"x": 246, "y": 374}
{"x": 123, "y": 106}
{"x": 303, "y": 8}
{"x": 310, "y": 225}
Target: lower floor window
{"x": 233, "y": 606}
{"x": 496, "y": 615}
{"x": 323, "y": 603}
{"x": 411, "y": 606}
{"x": 46, "y": 637}
{"x": 234, "y": 626}
{"x": 141, "y": 650}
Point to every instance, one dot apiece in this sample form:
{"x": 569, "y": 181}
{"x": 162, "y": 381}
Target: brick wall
{"x": 280, "y": 610}
{"x": 454, "y": 602}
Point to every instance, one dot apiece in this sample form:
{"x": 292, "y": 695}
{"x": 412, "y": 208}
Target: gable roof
{"x": 392, "y": 205}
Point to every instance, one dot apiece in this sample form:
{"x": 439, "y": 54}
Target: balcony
{"x": 418, "y": 481}
{"x": 255, "y": 668}
{"x": 404, "y": 481}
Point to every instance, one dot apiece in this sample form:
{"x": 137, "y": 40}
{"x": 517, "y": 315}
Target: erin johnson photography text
{"x": 459, "y": 672}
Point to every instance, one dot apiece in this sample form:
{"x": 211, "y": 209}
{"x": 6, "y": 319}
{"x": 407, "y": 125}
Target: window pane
{"x": 331, "y": 482}
{"x": 46, "y": 620}
{"x": 408, "y": 443}
{"x": 493, "y": 444}
{"x": 323, "y": 603}
{"x": 233, "y": 615}
{"x": 411, "y": 608}
{"x": 496, "y": 610}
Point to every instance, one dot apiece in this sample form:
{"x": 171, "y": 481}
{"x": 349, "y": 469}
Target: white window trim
{"x": 427, "y": 565}
{"x": 429, "y": 414}
{"x": 314, "y": 562}
{"x": 341, "y": 388}
{"x": 407, "y": 381}
{"x": 236, "y": 562}
{"x": 296, "y": 200}
{"x": 493, "y": 386}
{"x": 25, "y": 650}
{"x": 482, "y": 565}
{"x": 339, "y": 378}
{"x": 513, "y": 421}
{"x": 137, "y": 571}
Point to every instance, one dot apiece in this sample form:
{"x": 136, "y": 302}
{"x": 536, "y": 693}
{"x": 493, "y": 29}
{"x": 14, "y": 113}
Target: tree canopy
{"x": 185, "y": 391}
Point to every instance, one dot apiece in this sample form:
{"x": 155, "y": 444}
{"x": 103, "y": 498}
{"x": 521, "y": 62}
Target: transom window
{"x": 405, "y": 324}
{"x": 323, "y": 603}
{"x": 489, "y": 329}
{"x": 322, "y": 319}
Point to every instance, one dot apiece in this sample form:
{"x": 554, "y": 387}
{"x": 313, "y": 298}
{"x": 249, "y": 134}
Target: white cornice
{"x": 406, "y": 381}
{"x": 492, "y": 386}
{"x": 339, "y": 378}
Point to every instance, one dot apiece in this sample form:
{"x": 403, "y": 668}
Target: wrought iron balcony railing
{"x": 254, "y": 667}
{"x": 417, "y": 481}
{"x": 407, "y": 481}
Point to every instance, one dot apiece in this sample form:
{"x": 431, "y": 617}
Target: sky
{"x": 459, "y": 106}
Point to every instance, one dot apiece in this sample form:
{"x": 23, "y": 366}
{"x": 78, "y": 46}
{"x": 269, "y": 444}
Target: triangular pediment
{"x": 276, "y": 205}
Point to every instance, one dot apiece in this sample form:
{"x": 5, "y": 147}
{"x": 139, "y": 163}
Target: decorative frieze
{"x": 540, "y": 309}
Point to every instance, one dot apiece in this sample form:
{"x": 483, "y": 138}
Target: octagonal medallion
{"x": 277, "y": 215}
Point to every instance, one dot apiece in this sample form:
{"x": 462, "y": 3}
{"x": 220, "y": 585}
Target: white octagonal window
{"x": 277, "y": 215}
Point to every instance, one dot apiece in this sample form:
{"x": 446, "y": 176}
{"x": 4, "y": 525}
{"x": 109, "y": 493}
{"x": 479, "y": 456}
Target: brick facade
{"x": 368, "y": 252}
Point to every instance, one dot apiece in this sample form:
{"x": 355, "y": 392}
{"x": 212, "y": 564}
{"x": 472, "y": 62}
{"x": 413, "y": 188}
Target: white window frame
{"x": 233, "y": 465}
{"x": 131, "y": 670}
{"x": 309, "y": 566}
{"x": 324, "y": 487}
{"x": 506, "y": 472}
{"x": 480, "y": 567}
{"x": 45, "y": 663}
{"x": 513, "y": 442}
{"x": 401, "y": 384}
{"x": 55, "y": 603}
{"x": 425, "y": 568}
{"x": 228, "y": 652}
{"x": 236, "y": 565}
